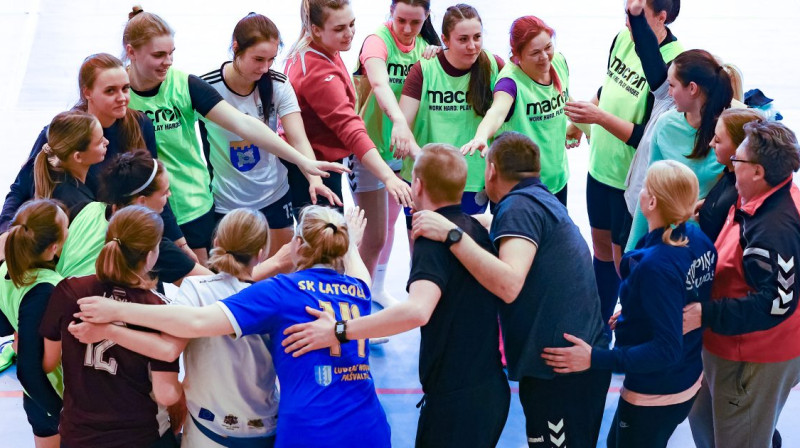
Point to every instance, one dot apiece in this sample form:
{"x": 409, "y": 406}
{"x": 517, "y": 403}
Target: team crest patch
{"x": 244, "y": 155}
{"x": 230, "y": 422}
{"x": 323, "y": 376}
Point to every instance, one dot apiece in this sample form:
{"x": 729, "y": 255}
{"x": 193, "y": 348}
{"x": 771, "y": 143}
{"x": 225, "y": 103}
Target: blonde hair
{"x": 737, "y": 82}
{"x": 68, "y": 133}
{"x": 312, "y": 12}
{"x": 240, "y": 235}
{"x": 35, "y": 228}
{"x": 676, "y": 189}
{"x": 325, "y": 238}
{"x": 132, "y": 233}
{"x": 443, "y": 171}
{"x": 141, "y": 28}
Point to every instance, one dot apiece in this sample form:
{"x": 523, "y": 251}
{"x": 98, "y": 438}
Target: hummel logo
{"x": 328, "y": 78}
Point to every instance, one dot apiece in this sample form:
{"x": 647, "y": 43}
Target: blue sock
{"x": 608, "y": 288}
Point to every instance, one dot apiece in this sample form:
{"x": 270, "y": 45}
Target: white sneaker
{"x": 384, "y": 299}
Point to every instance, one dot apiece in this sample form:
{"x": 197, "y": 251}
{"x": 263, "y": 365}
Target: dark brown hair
{"x": 515, "y": 156}
{"x": 428, "y": 32}
{"x": 251, "y": 30}
{"x": 127, "y": 173}
{"x": 701, "y": 68}
{"x": 479, "y": 95}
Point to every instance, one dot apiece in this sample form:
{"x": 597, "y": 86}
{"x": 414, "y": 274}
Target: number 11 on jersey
{"x": 348, "y": 312}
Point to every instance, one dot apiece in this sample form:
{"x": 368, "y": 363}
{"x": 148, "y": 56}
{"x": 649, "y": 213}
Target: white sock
{"x": 379, "y": 294}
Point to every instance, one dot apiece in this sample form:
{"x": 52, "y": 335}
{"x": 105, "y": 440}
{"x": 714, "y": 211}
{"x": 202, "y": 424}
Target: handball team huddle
{"x": 229, "y": 186}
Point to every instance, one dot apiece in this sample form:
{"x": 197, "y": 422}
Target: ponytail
{"x": 69, "y": 132}
{"x": 43, "y": 183}
{"x": 240, "y": 236}
{"x": 313, "y": 12}
{"x": 676, "y": 189}
{"x": 325, "y": 238}
{"x": 701, "y": 68}
{"x": 37, "y": 225}
{"x": 429, "y": 33}
{"x": 133, "y": 233}
{"x": 479, "y": 95}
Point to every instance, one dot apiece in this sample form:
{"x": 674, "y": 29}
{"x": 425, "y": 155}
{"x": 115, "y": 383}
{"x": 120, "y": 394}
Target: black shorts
{"x": 278, "y": 214}
{"x": 298, "y": 188}
{"x": 198, "y": 231}
{"x": 608, "y": 210}
{"x": 567, "y": 408}
{"x": 43, "y": 425}
{"x": 468, "y": 417}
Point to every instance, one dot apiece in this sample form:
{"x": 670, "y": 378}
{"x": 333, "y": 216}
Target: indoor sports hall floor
{"x": 44, "y": 42}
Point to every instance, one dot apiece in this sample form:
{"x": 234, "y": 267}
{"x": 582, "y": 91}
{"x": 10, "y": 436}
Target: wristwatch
{"x": 341, "y": 331}
{"x": 453, "y": 236}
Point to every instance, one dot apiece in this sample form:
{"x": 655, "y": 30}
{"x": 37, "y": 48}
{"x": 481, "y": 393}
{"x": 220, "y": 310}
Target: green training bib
{"x": 624, "y": 95}
{"x": 539, "y": 114}
{"x": 10, "y": 299}
{"x": 178, "y": 148}
{"x": 444, "y": 116}
{"x": 87, "y": 235}
{"x": 398, "y": 63}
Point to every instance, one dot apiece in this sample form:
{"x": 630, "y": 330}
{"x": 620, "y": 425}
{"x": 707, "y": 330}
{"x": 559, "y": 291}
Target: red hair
{"x": 523, "y": 30}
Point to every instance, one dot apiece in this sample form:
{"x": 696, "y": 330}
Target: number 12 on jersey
{"x": 348, "y": 311}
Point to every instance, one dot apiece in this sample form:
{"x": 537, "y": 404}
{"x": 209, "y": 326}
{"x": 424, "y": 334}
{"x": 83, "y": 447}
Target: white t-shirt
{"x": 244, "y": 174}
{"x": 230, "y": 383}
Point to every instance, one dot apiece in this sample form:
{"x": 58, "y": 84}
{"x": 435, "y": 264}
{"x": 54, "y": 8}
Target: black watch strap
{"x": 341, "y": 331}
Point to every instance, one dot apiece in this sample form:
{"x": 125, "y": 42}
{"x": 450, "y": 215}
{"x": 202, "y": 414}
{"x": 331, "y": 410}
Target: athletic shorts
{"x": 198, "y": 231}
{"x": 362, "y": 180}
{"x": 278, "y": 214}
{"x": 298, "y": 188}
{"x": 608, "y": 210}
{"x": 43, "y": 425}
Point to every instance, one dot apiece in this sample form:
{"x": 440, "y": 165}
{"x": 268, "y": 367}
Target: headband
{"x": 149, "y": 180}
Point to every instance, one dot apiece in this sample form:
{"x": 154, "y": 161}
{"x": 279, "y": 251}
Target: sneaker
{"x": 384, "y": 299}
{"x": 7, "y": 354}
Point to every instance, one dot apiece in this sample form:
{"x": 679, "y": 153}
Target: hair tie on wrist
{"x": 673, "y": 226}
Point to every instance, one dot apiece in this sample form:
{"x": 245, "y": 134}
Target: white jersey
{"x": 230, "y": 383}
{"x": 245, "y": 175}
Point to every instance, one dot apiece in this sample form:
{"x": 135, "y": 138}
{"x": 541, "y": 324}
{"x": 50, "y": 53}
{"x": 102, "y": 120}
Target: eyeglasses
{"x": 734, "y": 159}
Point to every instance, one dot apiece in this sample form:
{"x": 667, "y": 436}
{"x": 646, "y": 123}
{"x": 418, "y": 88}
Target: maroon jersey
{"x": 107, "y": 388}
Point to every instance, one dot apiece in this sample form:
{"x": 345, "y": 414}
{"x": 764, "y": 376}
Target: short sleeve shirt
{"x": 107, "y": 388}
{"x": 318, "y": 382}
{"x": 459, "y": 348}
{"x": 559, "y": 294}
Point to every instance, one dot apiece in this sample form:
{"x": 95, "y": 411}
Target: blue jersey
{"x": 327, "y": 396}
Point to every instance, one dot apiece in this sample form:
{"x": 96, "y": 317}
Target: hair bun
{"x": 134, "y": 11}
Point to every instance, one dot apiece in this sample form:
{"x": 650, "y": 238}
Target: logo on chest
{"x": 244, "y": 155}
